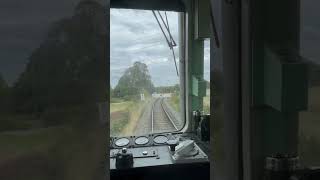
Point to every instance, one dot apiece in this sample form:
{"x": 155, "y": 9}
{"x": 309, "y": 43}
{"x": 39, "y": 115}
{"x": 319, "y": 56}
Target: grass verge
{"x": 124, "y": 117}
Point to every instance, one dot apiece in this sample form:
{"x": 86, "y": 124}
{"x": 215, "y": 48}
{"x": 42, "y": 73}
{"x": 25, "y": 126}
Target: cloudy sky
{"x": 135, "y": 36}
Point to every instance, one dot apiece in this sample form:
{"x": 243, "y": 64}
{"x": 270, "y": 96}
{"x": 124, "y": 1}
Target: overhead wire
{"x": 173, "y": 43}
{"x": 165, "y": 36}
{"x": 170, "y": 43}
{"x": 174, "y": 56}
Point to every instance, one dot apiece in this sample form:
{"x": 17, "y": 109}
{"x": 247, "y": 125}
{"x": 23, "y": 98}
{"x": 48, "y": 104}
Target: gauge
{"x": 161, "y": 139}
{"x": 141, "y": 140}
{"x": 122, "y": 142}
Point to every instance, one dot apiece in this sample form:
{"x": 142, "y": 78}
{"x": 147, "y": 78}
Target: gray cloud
{"x": 136, "y": 36}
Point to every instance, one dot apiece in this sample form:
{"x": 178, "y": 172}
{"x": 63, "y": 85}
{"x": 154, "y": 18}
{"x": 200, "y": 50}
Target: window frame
{"x": 182, "y": 64}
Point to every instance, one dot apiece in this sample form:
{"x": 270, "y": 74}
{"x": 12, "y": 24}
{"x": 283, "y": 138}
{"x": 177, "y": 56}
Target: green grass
{"x": 52, "y": 153}
{"x": 18, "y": 148}
{"x": 124, "y": 116}
{"x": 16, "y": 144}
{"x": 175, "y": 102}
{"x": 206, "y": 104}
{"x": 67, "y": 151}
{"x": 119, "y": 116}
{"x": 118, "y": 122}
{"x": 135, "y": 112}
{"x": 122, "y": 106}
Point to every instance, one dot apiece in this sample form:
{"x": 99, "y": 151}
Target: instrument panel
{"x": 154, "y": 150}
{"x": 140, "y": 141}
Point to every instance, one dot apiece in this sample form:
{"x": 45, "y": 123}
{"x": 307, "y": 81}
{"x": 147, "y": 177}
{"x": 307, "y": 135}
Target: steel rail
{"x": 167, "y": 114}
{"x": 152, "y": 116}
{"x": 153, "y": 128}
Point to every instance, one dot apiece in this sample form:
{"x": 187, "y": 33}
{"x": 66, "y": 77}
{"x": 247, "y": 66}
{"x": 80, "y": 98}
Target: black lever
{"x": 172, "y": 144}
{"x": 124, "y": 159}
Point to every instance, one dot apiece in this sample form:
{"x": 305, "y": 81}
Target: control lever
{"x": 186, "y": 148}
{"x": 124, "y": 159}
{"x": 172, "y": 144}
{"x": 188, "y": 151}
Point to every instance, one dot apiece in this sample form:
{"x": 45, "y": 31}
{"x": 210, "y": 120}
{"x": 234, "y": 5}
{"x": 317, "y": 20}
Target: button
{"x": 145, "y": 153}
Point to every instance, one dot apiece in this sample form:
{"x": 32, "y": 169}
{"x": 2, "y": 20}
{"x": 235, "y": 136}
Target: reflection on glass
{"x": 206, "y": 66}
{"x": 217, "y": 109}
{"x": 145, "y": 90}
{"x": 52, "y": 80}
{"x": 309, "y": 134}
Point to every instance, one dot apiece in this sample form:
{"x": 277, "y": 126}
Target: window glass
{"x": 217, "y": 110}
{"x": 309, "y": 124}
{"x": 52, "y": 81}
{"x": 206, "y": 70}
{"x": 217, "y": 139}
{"x": 144, "y": 72}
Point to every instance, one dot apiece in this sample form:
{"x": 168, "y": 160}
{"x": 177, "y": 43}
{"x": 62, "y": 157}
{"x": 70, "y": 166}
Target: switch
{"x": 172, "y": 144}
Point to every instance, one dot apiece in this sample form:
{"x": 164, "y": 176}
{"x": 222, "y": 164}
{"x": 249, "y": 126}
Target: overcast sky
{"x": 135, "y": 36}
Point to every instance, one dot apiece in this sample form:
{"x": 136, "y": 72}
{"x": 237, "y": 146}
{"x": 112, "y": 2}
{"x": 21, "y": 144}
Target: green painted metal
{"x": 195, "y": 60}
{"x": 285, "y": 83}
{"x": 202, "y": 19}
{"x": 196, "y": 70}
{"x": 198, "y": 87}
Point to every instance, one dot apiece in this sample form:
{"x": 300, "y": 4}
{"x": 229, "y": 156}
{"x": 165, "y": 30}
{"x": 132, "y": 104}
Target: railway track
{"x": 161, "y": 121}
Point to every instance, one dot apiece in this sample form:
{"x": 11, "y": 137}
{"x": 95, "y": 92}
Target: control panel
{"x": 154, "y": 150}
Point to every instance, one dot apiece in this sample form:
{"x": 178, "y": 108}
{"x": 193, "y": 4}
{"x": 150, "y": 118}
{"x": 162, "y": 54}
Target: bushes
{"x": 77, "y": 116}
{"x": 10, "y": 124}
{"x": 175, "y": 101}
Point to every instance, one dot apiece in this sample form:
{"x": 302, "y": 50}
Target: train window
{"x": 52, "y": 76}
{"x": 206, "y": 69}
{"x": 309, "y": 135}
{"x": 144, "y": 72}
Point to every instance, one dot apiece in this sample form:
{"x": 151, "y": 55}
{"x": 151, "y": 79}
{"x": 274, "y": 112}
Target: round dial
{"x": 122, "y": 142}
{"x": 141, "y": 140}
{"x": 161, "y": 139}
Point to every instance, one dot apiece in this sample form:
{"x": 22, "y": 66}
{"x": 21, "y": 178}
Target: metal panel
{"x": 164, "y": 5}
{"x": 202, "y": 19}
{"x": 232, "y": 77}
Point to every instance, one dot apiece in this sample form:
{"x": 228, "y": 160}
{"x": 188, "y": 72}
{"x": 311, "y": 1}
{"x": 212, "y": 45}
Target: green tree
{"x": 68, "y": 67}
{"x": 111, "y": 91}
{"x": 134, "y": 81}
{"x": 3, "y": 84}
{"x": 168, "y": 89}
{"x": 4, "y": 94}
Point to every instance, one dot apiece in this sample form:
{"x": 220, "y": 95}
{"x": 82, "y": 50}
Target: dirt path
{"x": 144, "y": 123}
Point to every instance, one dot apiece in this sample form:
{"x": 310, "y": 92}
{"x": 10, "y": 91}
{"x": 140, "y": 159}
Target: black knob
{"x": 172, "y": 144}
{"x": 124, "y": 159}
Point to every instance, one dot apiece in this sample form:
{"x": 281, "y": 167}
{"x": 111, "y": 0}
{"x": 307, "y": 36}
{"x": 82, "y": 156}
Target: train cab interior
{"x": 263, "y": 67}
{"x": 167, "y": 142}
{"x": 159, "y": 89}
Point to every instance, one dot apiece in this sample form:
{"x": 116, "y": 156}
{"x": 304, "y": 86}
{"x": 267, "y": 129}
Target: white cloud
{"x": 136, "y": 36}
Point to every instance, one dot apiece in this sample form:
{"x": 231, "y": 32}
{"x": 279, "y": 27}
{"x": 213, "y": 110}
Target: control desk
{"x": 158, "y": 156}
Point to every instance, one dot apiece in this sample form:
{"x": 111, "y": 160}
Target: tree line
{"x": 67, "y": 69}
